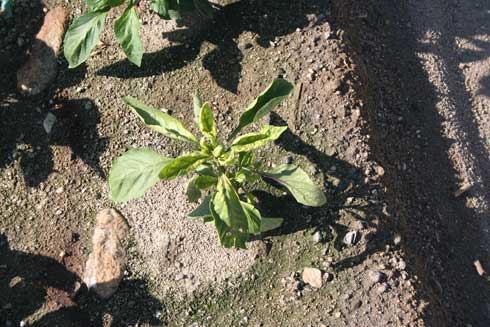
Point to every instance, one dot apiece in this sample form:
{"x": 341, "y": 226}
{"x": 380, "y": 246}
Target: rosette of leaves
{"x": 219, "y": 173}
{"x": 84, "y": 33}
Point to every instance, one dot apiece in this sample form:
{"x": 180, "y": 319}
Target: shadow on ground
{"x": 440, "y": 236}
{"x": 265, "y": 18}
{"x": 25, "y": 138}
{"x": 22, "y": 134}
{"x": 52, "y": 288}
{"x": 351, "y": 195}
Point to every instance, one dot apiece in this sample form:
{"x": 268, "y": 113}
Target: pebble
{"x": 350, "y": 238}
{"x": 317, "y": 237}
{"x": 48, "y": 122}
{"x": 375, "y": 276}
{"x": 397, "y": 239}
{"x": 382, "y": 288}
{"x": 312, "y": 276}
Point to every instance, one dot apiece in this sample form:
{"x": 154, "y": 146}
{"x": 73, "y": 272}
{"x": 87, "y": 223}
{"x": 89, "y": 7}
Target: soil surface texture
{"x": 389, "y": 114}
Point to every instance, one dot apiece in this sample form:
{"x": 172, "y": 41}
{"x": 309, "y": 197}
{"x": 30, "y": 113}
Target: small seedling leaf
{"x": 227, "y": 204}
{"x": 207, "y": 124}
{"x": 253, "y": 218}
{"x": 197, "y": 101}
{"x": 205, "y": 182}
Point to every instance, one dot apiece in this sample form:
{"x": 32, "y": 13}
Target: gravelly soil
{"x": 364, "y": 122}
{"x": 425, "y": 62}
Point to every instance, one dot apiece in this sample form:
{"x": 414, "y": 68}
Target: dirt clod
{"x": 41, "y": 68}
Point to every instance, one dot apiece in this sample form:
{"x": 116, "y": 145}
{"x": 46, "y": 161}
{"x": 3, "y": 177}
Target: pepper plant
{"x": 223, "y": 170}
{"x": 84, "y": 33}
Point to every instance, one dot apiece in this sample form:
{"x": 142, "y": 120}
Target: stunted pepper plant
{"x": 222, "y": 170}
{"x": 84, "y": 33}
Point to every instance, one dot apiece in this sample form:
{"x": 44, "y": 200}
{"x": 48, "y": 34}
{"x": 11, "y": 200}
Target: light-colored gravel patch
{"x": 180, "y": 255}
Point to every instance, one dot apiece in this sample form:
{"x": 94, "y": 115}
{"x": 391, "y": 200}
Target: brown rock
{"x": 312, "y": 276}
{"x": 105, "y": 265}
{"x": 40, "y": 69}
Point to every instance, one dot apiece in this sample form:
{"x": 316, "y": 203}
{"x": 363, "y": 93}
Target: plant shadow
{"x": 26, "y": 139}
{"x": 265, "y": 19}
{"x": 29, "y": 283}
{"x": 349, "y": 194}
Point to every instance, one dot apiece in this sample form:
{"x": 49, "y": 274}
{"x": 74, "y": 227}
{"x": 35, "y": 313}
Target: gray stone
{"x": 317, "y": 237}
{"x": 375, "y": 276}
{"x": 350, "y": 238}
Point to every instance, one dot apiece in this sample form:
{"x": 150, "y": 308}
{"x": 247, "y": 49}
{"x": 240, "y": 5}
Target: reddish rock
{"x": 40, "y": 69}
{"x": 105, "y": 265}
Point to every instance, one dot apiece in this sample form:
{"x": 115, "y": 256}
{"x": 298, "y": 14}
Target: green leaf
{"x": 228, "y": 236}
{"x": 193, "y": 192}
{"x": 205, "y": 170}
{"x": 224, "y": 232}
{"x": 253, "y": 141}
{"x": 127, "y": 30}
{"x": 246, "y": 159}
{"x": 204, "y": 7}
{"x": 166, "y": 9}
{"x": 102, "y": 5}
{"x": 298, "y": 183}
{"x": 270, "y": 224}
{"x": 196, "y": 99}
{"x": 271, "y": 97}
{"x": 182, "y": 165}
{"x": 244, "y": 174}
{"x": 227, "y": 205}
{"x": 254, "y": 219}
{"x": 206, "y": 122}
{"x": 202, "y": 210}
{"x": 133, "y": 173}
{"x": 205, "y": 182}
{"x": 160, "y": 121}
{"x": 82, "y": 36}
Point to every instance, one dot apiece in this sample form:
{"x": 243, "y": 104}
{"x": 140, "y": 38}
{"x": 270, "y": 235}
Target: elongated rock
{"x": 105, "y": 265}
{"x": 40, "y": 69}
